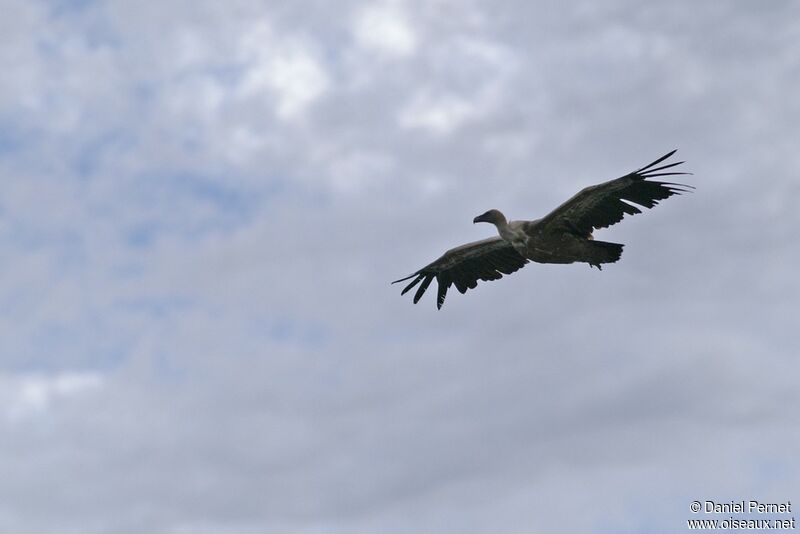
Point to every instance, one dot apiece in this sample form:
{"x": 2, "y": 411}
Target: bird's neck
{"x": 505, "y": 230}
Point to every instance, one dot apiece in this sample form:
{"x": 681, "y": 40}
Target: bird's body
{"x": 514, "y": 233}
{"x": 562, "y": 236}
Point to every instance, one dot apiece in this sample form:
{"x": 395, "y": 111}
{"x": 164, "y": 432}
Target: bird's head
{"x": 491, "y": 216}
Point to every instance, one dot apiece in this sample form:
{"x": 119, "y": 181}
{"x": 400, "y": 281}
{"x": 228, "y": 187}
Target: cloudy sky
{"x": 203, "y": 203}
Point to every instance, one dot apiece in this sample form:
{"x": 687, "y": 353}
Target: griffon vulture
{"x": 562, "y": 236}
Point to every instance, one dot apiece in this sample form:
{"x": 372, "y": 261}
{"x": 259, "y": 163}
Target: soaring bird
{"x": 562, "y": 236}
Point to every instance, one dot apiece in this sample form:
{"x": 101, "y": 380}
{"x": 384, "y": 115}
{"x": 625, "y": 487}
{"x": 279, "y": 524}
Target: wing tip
{"x": 404, "y": 279}
{"x": 659, "y": 160}
{"x": 423, "y": 287}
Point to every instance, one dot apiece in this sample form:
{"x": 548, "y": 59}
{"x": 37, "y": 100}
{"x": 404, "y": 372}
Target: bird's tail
{"x": 599, "y": 252}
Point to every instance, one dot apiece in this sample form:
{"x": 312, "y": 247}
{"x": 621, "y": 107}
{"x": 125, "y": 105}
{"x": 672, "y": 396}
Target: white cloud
{"x": 195, "y": 97}
{"x": 470, "y": 76}
{"x": 283, "y": 67}
{"x": 24, "y": 73}
{"x": 34, "y": 394}
{"x": 437, "y": 114}
{"x": 385, "y": 28}
{"x": 357, "y": 171}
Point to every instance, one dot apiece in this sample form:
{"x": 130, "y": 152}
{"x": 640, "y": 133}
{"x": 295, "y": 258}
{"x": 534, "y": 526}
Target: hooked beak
{"x": 478, "y": 219}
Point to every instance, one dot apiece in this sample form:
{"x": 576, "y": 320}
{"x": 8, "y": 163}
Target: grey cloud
{"x": 224, "y": 269}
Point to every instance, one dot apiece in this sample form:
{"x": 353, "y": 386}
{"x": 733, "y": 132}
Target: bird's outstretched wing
{"x": 602, "y": 205}
{"x": 463, "y": 266}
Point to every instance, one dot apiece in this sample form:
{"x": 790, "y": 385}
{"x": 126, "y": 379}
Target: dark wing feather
{"x": 463, "y": 266}
{"x": 602, "y": 205}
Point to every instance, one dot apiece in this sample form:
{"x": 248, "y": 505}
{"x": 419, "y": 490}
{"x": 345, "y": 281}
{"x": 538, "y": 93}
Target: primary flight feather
{"x": 562, "y": 236}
